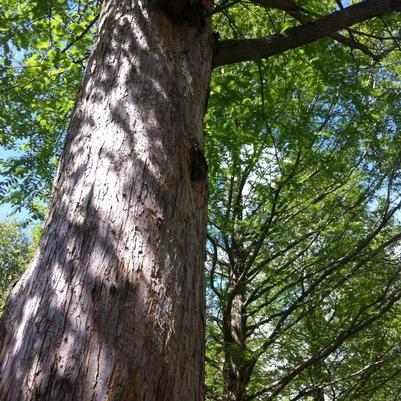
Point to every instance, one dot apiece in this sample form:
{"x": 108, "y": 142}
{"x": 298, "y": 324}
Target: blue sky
{"x": 6, "y": 213}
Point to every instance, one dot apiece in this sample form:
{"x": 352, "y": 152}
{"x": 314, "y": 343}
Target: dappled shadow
{"x": 97, "y": 312}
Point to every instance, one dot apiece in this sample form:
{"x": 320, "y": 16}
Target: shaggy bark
{"x": 112, "y": 307}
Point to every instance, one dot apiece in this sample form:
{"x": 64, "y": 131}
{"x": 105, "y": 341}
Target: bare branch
{"x": 223, "y": 6}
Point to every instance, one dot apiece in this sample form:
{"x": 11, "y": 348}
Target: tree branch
{"x": 301, "y": 15}
{"x": 235, "y": 51}
{"x": 81, "y": 35}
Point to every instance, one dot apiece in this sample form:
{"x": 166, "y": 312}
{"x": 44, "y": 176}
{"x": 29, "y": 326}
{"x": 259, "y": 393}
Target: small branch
{"x": 223, "y": 6}
{"x": 81, "y": 35}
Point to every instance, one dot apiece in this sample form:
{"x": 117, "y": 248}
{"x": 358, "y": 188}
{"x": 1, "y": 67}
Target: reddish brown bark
{"x": 112, "y": 306}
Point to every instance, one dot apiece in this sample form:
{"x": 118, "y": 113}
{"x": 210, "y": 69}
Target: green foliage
{"x": 14, "y": 256}
{"x": 36, "y": 234}
{"x": 43, "y": 50}
{"x": 303, "y": 269}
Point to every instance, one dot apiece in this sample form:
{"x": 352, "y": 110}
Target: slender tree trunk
{"x": 319, "y": 395}
{"x": 237, "y": 369}
{"x": 112, "y": 307}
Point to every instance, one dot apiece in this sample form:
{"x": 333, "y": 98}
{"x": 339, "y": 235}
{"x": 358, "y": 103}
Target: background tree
{"x": 125, "y": 278}
{"x": 14, "y": 254}
{"x": 303, "y": 240}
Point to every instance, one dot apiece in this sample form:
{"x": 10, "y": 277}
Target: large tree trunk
{"x": 112, "y": 307}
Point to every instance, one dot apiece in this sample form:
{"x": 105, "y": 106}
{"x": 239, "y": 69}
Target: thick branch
{"x": 235, "y": 51}
{"x": 300, "y": 15}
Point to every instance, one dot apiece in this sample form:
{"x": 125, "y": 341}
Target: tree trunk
{"x": 112, "y": 307}
{"x": 237, "y": 366}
